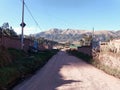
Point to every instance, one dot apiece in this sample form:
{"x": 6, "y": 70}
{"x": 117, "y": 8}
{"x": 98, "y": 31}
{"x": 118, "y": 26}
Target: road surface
{"x": 65, "y": 72}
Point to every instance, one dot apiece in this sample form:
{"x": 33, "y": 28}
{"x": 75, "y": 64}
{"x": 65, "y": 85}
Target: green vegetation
{"x": 5, "y": 58}
{"x": 85, "y": 40}
{"x": 21, "y": 66}
{"x": 96, "y": 63}
{"x": 7, "y": 30}
{"x": 81, "y": 55}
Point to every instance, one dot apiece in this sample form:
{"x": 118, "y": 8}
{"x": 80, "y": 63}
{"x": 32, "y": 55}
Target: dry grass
{"x": 109, "y": 70}
{"x": 101, "y": 62}
{"x": 108, "y": 62}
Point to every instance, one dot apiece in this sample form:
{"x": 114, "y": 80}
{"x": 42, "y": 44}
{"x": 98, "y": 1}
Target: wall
{"x": 85, "y": 49}
{"x": 14, "y": 42}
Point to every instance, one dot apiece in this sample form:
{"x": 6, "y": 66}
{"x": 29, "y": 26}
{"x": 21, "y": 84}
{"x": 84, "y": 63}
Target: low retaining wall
{"x": 85, "y": 50}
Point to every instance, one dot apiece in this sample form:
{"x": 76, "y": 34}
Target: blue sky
{"x": 63, "y": 14}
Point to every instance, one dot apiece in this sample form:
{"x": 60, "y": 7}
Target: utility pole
{"x": 22, "y": 25}
{"x": 92, "y": 38}
{"x": 93, "y": 33}
{"x": 2, "y": 37}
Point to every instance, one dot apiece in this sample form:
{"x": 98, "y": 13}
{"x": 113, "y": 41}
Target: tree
{"x": 111, "y": 37}
{"x": 6, "y": 30}
{"x": 82, "y": 42}
{"x": 5, "y": 25}
{"x": 0, "y": 31}
{"x": 87, "y": 39}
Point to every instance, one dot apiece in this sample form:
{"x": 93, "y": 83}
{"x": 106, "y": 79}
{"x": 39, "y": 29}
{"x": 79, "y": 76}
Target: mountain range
{"x": 65, "y": 35}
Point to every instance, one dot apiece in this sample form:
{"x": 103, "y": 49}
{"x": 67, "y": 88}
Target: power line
{"x": 32, "y": 15}
{"x": 57, "y": 18}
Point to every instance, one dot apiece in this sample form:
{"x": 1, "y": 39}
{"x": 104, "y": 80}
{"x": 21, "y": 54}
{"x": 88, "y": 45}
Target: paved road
{"x": 65, "y": 72}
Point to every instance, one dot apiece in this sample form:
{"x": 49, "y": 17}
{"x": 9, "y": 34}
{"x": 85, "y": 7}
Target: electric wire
{"x": 32, "y": 15}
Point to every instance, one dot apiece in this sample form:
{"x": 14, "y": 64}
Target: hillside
{"x": 71, "y": 35}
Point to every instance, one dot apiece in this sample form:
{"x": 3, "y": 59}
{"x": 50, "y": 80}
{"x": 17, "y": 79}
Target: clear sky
{"x": 63, "y": 14}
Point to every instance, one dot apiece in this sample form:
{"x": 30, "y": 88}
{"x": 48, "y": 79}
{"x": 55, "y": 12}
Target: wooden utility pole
{"x": 22, "y": 25}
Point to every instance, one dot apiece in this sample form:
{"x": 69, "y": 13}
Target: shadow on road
{"x": 60, "y": 70}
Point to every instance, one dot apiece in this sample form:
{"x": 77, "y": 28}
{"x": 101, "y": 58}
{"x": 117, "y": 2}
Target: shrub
{"x": 5, "y": 57}
{"x": 8, "y": 75}
{"x": 16, "y": 54}
{"x": 22, "y": 66}
{"x": 81, "y": 55}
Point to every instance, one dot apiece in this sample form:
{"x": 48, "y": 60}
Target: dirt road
{"x": 65, "y": 72}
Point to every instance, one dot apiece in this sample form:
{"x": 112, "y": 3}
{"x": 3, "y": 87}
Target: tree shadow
{"x": 50, "y": 76}
{"x": 55, "y": 79}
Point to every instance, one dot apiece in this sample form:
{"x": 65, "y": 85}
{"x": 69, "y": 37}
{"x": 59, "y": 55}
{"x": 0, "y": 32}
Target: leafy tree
{"x": 86, "y": 39}
{"x": 82, "y": 42}
{"x": 7, "y": 31}
{"x": 111, "y": 37}
{"x": 5, "y": 25}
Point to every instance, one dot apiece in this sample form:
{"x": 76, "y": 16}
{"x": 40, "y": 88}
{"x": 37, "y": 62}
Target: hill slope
{"x": 71, "y": 35}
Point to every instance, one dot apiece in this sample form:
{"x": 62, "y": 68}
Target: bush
{"x": 81, "y": 55}
{"x": 8, "y": 75}
{"x": 16, "y": 54}
{"x": 5, "y": 57}
{"x": 22, "y": 66}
